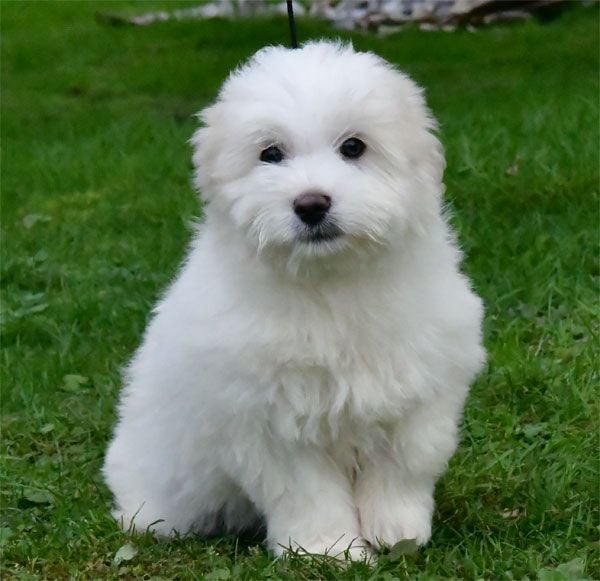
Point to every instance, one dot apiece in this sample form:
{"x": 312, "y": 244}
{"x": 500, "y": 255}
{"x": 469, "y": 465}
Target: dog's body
{"x": 310, "y": 364}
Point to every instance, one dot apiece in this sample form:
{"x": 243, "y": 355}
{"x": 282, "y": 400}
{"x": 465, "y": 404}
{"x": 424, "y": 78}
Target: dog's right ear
{"x": 205, "y": 150}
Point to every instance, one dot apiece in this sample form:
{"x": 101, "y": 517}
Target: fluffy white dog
{"x": 310, "y": 363}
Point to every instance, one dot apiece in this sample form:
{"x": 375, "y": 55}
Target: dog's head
{"x": 319, "y": 151}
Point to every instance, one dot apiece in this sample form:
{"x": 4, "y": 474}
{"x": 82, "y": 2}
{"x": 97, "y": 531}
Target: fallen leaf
{"x": 73, "y": 383}
{"x": 532, "y": 430}
{"x": 570, "y": 571}
{"x": 508, "y": 513}
{"x": 513, "y": 168}
{"x": 217, "y": 575}
{"x": 32, "y": 498}
{"x": 32, "y": 219}
{"x": 5, "y": 534}
{"x": 125, "y": 553}
{"x": 402, "y": 548}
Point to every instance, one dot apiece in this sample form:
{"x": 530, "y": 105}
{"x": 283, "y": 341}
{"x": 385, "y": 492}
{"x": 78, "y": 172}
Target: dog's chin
{"x": 309, "y": 250}
{"x": 319, "y": 234}
{"x": 320, "y": 240}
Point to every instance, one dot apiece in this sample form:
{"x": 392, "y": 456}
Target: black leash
{"x": 290, "y": 11}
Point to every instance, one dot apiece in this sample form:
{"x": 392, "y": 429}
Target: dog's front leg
{"x": 394, "y": 490}
{"x": 307, "y": 502}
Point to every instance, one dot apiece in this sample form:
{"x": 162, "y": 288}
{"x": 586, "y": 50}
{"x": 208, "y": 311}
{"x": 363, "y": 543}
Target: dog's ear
{"x": 433, "y": 162}
{"x": 205, "y": 144}
{"x": 428, "y": 151}
{"x": 411, "y": 130}
{"x": 427, "y": 157}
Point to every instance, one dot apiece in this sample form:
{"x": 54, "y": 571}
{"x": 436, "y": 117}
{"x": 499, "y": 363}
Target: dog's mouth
{"x": 320, "y": 234}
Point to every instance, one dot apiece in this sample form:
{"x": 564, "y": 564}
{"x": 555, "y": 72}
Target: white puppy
{"x": 310, "y": 363}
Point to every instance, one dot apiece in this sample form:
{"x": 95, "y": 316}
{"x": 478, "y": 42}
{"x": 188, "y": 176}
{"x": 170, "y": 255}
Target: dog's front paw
{"x": 351, "y": 549}
{"x": 384, "y": 524}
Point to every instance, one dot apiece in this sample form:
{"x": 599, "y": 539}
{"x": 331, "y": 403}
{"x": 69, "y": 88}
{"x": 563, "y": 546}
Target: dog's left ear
{"x": 410, "y": 128}
{"x": 434, "y": 160}
{"x": 206, "y": 146}
{"x": 427, "y": 151}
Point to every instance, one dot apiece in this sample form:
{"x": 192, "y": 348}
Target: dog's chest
{"x": 325, "y": 406}
{"x": 328, "y": 367}
{"x": 334, "y": 380}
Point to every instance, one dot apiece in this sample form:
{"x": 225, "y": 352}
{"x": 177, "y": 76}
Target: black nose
{"x": 312, "y": 208}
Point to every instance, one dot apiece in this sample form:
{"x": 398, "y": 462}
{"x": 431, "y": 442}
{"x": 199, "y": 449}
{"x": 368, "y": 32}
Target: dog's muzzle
{"x": 323, "y": 232}
{"x": 312, "y": 208}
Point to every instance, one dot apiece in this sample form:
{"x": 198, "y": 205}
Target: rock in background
{"x": 382, "y": 15}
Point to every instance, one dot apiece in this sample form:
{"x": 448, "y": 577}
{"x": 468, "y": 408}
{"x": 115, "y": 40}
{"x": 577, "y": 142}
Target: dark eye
{"x": 271, "y": 155}
{"x": 352, "y": 148}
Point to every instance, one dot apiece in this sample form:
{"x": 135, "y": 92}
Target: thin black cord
{"x": 290, "y": 11}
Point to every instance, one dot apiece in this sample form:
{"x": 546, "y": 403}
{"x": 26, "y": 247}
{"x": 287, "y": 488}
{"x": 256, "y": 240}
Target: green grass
{"x": 96, "y": 211}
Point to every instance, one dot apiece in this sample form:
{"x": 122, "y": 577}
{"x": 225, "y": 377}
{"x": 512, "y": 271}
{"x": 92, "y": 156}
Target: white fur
{"x": 317, "y": 386}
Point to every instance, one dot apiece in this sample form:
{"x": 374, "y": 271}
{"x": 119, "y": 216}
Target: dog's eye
{"x": 271, "y": 155}
{"x": 352, "y": 148}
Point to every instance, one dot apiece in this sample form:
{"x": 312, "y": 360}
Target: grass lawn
{"x": 97, "y": 205}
